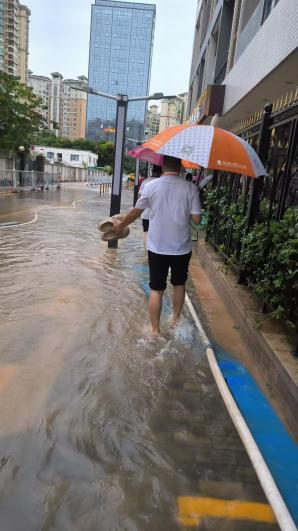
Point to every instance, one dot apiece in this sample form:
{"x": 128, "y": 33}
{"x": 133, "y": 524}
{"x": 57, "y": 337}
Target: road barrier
{"x": 24, "y": 181}
{"x": 16, "y": 180}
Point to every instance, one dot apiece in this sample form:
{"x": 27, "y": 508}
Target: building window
{"x": 50, "y": 155}
{"x": 74, "y": 157}
{"x": 268, "y": 6}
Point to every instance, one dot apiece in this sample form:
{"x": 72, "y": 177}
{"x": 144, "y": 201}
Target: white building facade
{"x": 71, "y": 157}
{"x": 41, "y": 86}
{"x": 250, "y": 48}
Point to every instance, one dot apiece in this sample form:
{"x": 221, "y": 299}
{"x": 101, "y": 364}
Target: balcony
{"x": 267, "y": 66}
{"x": 259, "y": 16}
{"x": 250, "y": 30}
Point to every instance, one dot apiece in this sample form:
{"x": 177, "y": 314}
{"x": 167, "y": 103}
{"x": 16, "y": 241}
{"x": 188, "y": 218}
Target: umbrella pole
{"x": 136, "y": 185}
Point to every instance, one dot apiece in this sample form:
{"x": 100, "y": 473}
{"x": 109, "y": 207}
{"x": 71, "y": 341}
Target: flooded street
{"x": 101, "y": 427}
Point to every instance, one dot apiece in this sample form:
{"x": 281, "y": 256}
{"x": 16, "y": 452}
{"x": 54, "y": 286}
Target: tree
{"x": 19, "y": 117}
{"x": 129, "y": 165}
{"x": 104, "y": 149}
{"x": 106, "y": 154}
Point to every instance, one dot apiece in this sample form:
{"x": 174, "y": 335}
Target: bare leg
{"x": 178, "y": 301}
{"x": 155, "y": 306}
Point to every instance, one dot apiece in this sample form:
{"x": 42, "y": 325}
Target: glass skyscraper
{"x": 121, "y": 41}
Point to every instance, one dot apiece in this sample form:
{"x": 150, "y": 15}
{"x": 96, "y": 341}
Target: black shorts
{"x": 159, "y": 265}
{"x": 145, "y": 223}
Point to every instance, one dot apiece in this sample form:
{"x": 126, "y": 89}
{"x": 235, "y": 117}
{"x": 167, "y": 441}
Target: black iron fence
{"x": 254, "y": 222}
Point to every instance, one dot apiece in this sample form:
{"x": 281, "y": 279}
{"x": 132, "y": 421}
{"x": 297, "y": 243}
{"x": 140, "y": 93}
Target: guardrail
{"x": 99, "y": 179}
{"x": 16, "y": 180}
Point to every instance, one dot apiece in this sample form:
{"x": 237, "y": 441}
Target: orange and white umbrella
{"x": 203, "y": 145}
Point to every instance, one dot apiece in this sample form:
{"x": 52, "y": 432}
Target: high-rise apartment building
{"x": 24, "y": 14}
{"x": 14, "y": 38}
{"x": 172, "y": 111}
{"x": 120, "y": 54}
{"x": 74, "y": 107}
{"x": 247, "y": 48}
{"x": 63, "y": 103}
{"x": 41, "y": 87}
{"x": 152, "y": 121}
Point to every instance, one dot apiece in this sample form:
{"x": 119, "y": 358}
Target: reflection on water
{"x": 85, "y": 394}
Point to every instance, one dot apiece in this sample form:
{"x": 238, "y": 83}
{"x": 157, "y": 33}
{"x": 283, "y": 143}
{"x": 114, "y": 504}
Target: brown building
{"x": 14, "y": 38}
{"x": 152, "y": 121}
{"x": 74, "y": 106}
{"x": 172, "y": 111}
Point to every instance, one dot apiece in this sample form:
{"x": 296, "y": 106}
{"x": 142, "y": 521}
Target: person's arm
{"x": 132, "y": 215}
{"x": 195, "y": 214}
{"x": 196, "y": 218}
{"x": 140, "y": 190}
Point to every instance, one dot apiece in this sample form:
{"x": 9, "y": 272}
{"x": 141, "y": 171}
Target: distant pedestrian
{"x": 173, "y": 203}
{"x": 188, "y": 177}
{"x": 156, "y": 172}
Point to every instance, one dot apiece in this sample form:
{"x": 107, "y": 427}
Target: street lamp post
{"x": 22, "y": 166}
{"x": 122, "y": 101}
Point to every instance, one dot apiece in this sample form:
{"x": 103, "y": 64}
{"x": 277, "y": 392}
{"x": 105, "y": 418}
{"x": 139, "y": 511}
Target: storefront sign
{"x": 210, "y": 103}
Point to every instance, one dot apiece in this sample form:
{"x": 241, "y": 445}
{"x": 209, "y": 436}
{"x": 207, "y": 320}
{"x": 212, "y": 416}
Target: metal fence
{"x": 16, "y": 180}
{"x": 237, "y": 204}
{"x": 98, "y": 179}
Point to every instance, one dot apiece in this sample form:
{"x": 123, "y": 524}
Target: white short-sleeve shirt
{"x": 171, "y": 200}
{"x": 145, "y": 214}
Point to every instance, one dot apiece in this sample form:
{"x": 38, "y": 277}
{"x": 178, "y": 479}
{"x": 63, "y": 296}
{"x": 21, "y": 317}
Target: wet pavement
{"x": 101, "y": 427}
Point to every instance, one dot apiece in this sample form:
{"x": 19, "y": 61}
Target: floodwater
{"x": 100, "y": 426}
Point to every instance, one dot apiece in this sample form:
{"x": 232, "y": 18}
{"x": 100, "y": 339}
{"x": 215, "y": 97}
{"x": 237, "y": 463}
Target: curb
{"x": 277, "y": 373}
{"x": 267, "y": 482}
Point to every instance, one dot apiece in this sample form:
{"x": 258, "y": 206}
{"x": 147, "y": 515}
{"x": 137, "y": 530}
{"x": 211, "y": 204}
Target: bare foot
{"x": 155, "y": 333}
{"x": 174, "y": 320}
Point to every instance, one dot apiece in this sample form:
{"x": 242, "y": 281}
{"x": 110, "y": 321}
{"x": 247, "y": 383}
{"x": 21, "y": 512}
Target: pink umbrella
{"x": 148, "y": 155}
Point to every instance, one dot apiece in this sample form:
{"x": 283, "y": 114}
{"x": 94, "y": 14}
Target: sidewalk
{"x": 229, "y": 312}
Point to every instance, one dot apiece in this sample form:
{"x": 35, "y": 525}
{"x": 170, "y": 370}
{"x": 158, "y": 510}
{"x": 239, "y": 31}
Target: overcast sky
{"x": 59, "y": 40}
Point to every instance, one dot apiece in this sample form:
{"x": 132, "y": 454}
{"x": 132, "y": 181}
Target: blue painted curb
{"x": 276, "y": 445}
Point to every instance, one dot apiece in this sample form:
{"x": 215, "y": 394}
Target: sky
{"x": 60, "y": 31}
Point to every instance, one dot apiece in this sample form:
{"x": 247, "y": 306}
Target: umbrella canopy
{"x": 203, "y": 145}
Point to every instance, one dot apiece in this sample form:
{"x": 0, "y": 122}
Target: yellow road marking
{"x": 192, "y": 510}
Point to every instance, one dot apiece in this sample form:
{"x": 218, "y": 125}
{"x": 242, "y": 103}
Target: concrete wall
{"x": 66, "y": 173}
{"x": 69, "y": 173}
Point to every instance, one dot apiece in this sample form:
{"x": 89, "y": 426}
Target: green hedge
{"x": 269, "y": 251}
{"x": 270, "y": 259}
